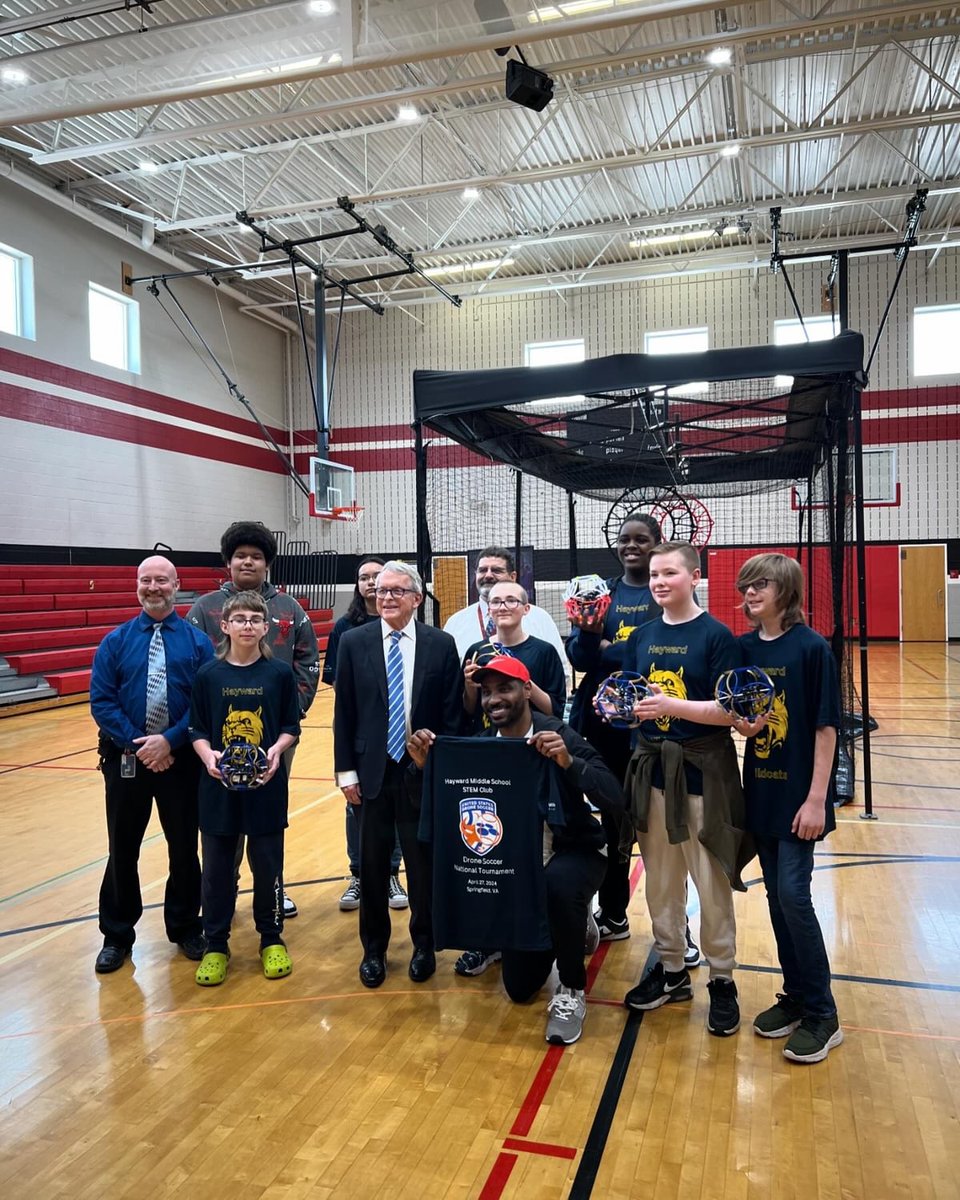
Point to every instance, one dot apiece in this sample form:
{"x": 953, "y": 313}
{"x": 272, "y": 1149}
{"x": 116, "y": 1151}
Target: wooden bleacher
{"x": 52, "y": 618}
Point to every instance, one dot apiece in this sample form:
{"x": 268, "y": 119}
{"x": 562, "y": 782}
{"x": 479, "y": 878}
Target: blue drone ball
{"x": 616, "y": 697}
{"x": 242, "y": 766}
{"x": 745, "y": 692}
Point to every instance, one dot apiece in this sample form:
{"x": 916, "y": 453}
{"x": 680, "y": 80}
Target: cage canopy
{"x": 721, "y": 422}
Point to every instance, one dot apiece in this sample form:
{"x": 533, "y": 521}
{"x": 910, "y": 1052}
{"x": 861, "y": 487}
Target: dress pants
{"x": 265, "y": 852}
{"x": 666, "y": 867}
{"x": 382, "y": 818}
{"x": 129, "y": 803}
{"x": 353, "y": 843}
{"x": 572, "y": 877}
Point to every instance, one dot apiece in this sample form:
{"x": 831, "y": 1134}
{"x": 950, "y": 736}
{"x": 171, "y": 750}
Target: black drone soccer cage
{"x": 740, "y": 450}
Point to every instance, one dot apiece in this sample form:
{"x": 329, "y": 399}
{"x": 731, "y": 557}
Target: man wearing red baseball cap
{"x": 574, "y": 852}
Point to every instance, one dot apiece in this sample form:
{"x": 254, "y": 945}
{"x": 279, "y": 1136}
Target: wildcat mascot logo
{"x": 774, "y": 733}
{"x": 242, "y": 725}
{"x": 480, "y": 827}
{"x": 671, "y": 684}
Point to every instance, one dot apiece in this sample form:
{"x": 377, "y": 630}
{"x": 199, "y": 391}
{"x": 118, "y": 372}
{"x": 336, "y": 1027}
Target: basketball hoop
{"x": 350, "y": 512}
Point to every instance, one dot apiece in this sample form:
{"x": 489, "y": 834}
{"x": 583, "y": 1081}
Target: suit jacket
{"x": 360, "y": 707}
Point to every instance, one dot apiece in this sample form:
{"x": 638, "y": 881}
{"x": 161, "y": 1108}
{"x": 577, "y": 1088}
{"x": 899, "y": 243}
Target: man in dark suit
{"x": 393, "y": 675}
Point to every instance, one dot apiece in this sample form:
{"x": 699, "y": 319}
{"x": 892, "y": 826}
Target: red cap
{"x": 503, "y": 665}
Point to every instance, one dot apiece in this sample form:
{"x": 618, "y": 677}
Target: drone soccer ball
{"x": 587, "y": 598}
{"x": 242, "y": 766}
{"x": 616, "y": 697}
{"x": 490, "y": 650}
{"x": 745, "y": 692}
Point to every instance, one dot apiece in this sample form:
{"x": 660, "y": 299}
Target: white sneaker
{"x": 397, "y": 897}
{"x": 565, "y": 1014}
{"x": 592, "y": 940}
{"x": 351, "y": 897}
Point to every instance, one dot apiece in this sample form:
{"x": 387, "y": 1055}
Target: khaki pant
{"x": 665, "y": 872}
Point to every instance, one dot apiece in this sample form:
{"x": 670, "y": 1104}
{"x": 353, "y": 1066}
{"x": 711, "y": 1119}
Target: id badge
{"x": 128, "y": 765}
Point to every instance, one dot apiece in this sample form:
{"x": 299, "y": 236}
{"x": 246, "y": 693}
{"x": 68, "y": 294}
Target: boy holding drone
{"x": 244, "y": 715}
{"x": 683, "y": 784}
{"x": 788, "y": 780}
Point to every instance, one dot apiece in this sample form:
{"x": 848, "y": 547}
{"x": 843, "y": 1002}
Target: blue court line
{"x": 901, "y": 983}
{"x": 4, "y": 933}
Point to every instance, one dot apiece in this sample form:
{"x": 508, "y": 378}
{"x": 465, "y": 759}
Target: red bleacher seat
{"x": 69, "y": 683}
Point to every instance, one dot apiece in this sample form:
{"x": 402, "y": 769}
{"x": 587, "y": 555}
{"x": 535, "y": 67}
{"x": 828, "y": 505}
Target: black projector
{"x": 528, "y": 86}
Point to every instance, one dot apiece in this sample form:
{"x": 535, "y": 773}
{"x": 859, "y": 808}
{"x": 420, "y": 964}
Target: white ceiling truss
{"x": 170, "y": 117}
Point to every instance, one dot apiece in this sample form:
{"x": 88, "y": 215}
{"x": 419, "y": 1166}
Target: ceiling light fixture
{"x": 485, "y": 264}
{"x": 14, "y": 75}
{"x": 721, "y": 56}
{"x": 665, "y": 239}
{"x": 731, "y": 150}
{"x": 471, "y": 193}
{"x": 572, "y": 8}
{"x": 407, "y": 112}
{"x": 321, "y": 8}
{"x": 148, "y": 165}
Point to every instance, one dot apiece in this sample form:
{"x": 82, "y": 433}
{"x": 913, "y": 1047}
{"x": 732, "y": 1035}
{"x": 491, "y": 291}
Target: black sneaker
{"x": 659, "y": 987}
{"x": 610, "y": 929}
{"x": 780, "y": 1019}
{"x": 724, "y": 1016}
{"x": 813, "y": 1039}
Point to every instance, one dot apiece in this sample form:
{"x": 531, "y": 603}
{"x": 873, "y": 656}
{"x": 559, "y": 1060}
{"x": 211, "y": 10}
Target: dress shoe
{"x": 422, "y": 965}
{"x": 373, "y": 971}
{"x": 110, "y": 959}
{"x": 194, "y": 947}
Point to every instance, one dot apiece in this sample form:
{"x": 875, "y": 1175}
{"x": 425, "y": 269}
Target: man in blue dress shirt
{"x": 143, "y": 674}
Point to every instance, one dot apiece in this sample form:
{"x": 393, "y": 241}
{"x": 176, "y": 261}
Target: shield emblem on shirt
{"x": 480, "y": 827}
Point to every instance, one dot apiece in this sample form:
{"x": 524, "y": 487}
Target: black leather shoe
{"x": 422, "y": 965}
{"x": 110, "y": 959}
{"x": 194, "y": 947}
{"x": 373, "y": 971}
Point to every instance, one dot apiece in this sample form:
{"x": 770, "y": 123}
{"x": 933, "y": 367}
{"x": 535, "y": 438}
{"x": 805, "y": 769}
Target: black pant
{"x": 129, "y": 804}
{"x": 572, "y": 878}
{"x": 382, "y": 818}
{"x": 613, "y": 895}
{"x": 265, "y": 852}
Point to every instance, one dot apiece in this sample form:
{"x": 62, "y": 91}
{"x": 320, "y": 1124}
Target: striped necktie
{"x": 157, "y": 718}
{"x": 490, "y": 627}
{"x": 396, "y": 724}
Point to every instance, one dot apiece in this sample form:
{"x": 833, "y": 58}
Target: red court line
{"x": 541, "y": 1148}
{"x": 498, "y": 1177}
{"x": 500, "y": 1172}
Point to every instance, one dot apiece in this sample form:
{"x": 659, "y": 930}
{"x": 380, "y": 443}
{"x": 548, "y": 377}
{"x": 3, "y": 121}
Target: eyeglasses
{"x": 394, "y": 593}
{"x": 240, "y": 622}
{"x": 506, "y": 602}
{"x": 756, "y": 584}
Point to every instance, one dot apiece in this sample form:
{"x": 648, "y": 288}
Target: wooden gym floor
{"x": 141, "y": 1084}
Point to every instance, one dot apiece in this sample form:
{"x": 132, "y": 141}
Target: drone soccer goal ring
{"x": 681, "y": 518}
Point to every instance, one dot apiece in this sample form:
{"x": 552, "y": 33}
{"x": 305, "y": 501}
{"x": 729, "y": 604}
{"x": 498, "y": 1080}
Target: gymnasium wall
{"x": 373, "y": 402}
{"x": 96, "y": 457}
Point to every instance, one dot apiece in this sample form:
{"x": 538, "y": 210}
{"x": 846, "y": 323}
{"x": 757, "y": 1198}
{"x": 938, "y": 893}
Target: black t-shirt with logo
{"x": 685, "y": 661}
{"x": 546, "y": 670}
{"x": 778, "y": 762}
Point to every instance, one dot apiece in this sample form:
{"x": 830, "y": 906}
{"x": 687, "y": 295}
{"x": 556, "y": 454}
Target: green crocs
{"x": 213, "y": 969}
{"x": 276, "y": 961}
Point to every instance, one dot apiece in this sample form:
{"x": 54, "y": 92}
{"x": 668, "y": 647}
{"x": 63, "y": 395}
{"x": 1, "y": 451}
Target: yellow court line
{"x": 932, "y": 1037}
{"x": 36, "y": 942}
{"x": 883, "y": 823}
{"x": 132, "y": 1018}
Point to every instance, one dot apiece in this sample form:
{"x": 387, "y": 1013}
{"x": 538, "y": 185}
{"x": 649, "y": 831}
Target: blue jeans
{"x": 787, "y": 870}
{"x": 353, "y": 843}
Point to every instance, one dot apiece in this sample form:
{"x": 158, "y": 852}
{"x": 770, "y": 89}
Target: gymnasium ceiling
{"x": 171, "y": 116}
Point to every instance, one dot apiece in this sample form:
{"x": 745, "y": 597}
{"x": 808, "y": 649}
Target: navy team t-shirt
{"x": 778, "y": 763}
{"x": 684, "y": 661}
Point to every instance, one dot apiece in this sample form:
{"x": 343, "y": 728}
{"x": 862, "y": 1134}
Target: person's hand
{"x": 418, "y": 746}
{"x": 748, "y": 728}
{"x": 154, "y": 751}
{"x": 212, "y": 762}
{"x": 352, "y": 793}
{"x": 163, "y": 764}
{"x": 592, "y": 624}
{"x": 273, "y": 762}
{"x": 549, "y": 743}
{"x": 469, "y": 670}
{"x": 810, "y": 819}
{"x": 656, "y": 705}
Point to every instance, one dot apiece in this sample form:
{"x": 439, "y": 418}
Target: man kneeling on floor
{"x": 574, "y": 852}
